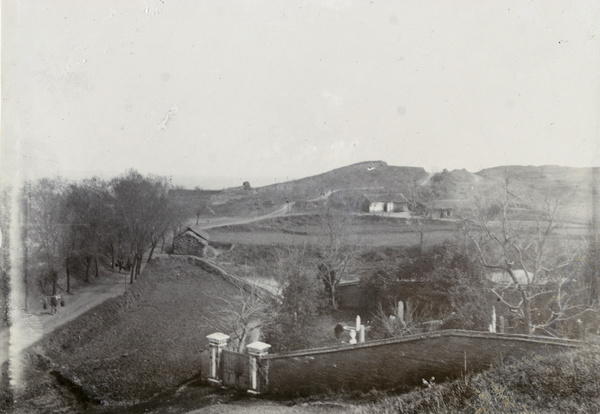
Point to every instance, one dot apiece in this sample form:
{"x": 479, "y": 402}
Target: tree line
{"x": 77, "y": 229}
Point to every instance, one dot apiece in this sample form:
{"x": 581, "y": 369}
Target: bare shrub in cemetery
{"x": 441, "y": 285}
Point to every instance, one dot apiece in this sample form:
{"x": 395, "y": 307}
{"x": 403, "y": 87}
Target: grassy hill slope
{"x": 574, "y": 186}
{"x": 370, "y": 176}
{"x": 133, "y": 347}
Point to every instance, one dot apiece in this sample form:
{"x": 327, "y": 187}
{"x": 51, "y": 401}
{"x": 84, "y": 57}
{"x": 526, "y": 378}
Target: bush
{"x": 563, "y": 382}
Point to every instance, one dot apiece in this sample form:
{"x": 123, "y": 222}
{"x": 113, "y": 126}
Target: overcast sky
{"x": 215, "y": 93}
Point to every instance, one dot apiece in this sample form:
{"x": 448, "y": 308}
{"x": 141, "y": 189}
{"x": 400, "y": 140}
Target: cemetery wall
{"x": 395, "y": 363}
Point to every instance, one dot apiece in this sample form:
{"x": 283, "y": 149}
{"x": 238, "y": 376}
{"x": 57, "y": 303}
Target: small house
{"x": 384, "y": 203}
{"x": 192, "y": 241}
{"x": 444, "y": 212}
{"x": 445, "y": 209}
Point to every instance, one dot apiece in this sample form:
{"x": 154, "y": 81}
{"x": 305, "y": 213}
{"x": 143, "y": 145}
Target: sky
{"x": 217, "y": 93}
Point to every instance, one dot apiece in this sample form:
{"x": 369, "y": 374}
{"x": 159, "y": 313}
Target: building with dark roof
{"x": 193, "y": 241}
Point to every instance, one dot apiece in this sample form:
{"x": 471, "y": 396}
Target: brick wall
{"x": 395, "y": 363}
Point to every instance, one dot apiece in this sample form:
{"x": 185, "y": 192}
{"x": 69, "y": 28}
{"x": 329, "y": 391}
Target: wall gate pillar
{"x": 216, "y": 342}
{"x": 256, "y": 350}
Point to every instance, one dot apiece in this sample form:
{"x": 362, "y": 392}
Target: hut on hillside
{"x": 192, "y": 241}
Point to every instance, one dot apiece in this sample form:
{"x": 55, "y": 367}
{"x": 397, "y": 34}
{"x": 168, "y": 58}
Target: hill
{"x": 368, "y": 176}
{"x": 574, "y": 186}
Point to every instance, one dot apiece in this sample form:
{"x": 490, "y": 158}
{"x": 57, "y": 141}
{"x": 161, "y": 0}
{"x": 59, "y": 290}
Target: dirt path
{"x": 28, "y": 328}
{"x": 207, "y": 223}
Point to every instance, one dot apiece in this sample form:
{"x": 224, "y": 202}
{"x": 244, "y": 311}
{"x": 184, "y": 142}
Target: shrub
{"x": 563, "y": 382}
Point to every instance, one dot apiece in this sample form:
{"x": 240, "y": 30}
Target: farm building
{"x": 192, "y": 240}
{"x": 382, "y": 203}
{"x": 446, "y": 209}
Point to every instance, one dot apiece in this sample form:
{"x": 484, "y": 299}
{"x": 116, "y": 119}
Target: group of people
{"x": 54, "y": 300}
{"x": 123, "y": 264}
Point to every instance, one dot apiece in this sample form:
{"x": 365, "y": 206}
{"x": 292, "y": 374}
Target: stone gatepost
{"x": 256, "y": 350}
{"x": 216, "y": 342}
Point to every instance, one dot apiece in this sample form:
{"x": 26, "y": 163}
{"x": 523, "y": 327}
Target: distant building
{"x": 445, "y": 209}
{"x": 384, "y": 203}
{"x": 443, "y": 212}
{"x": 192, "y": 241}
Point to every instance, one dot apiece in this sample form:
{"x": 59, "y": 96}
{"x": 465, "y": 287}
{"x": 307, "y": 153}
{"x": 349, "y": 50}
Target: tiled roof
{"x": 198, "y": 232}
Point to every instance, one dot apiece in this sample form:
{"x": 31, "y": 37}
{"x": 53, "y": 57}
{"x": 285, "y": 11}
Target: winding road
{"x": 209, "y": 223}
{"x": 29, "y": 327}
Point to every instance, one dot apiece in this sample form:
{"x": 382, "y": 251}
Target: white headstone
{"x": 352, "y": 336}
{"x": 358, "y": 322}
{"x": 400, "y": 311}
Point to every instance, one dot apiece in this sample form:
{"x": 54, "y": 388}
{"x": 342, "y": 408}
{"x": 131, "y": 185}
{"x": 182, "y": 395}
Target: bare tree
{"x": 338, "y": 251}
{"x": 90, "y": 215}
{"x": 248, "y": 310}
{"x": 419, "y": 224}
{"x": 47, "y": 234}
{"x": 142, "y": 205}
{"x": 538, "y": 263}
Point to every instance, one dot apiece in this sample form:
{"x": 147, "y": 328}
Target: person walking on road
{"x": 54, "y": 303}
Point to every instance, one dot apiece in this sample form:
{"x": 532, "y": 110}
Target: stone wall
{"x": 186, "y": 244}
{"x": 395, "y": 363}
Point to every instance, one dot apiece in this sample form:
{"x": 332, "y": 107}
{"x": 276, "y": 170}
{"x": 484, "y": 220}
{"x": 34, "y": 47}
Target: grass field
{"x": 366, "y": 230}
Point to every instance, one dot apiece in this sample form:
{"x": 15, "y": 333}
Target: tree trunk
{"x": 88, "y": 263}
{"x": 241, "y": 345}
{"x": 162, "y": 246}
{"x": 334, "y": 304}
{"x": 527, "y": 314}
{"x": 68, "y": 271}
{"x": 96, "y": 265}
{"x": 154, "y": 243}
{"x": 112, "y": 256}
{"x": 132, "y": 270}
{"x": 54, "y": 282}
{"x": 138, "y": 264}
